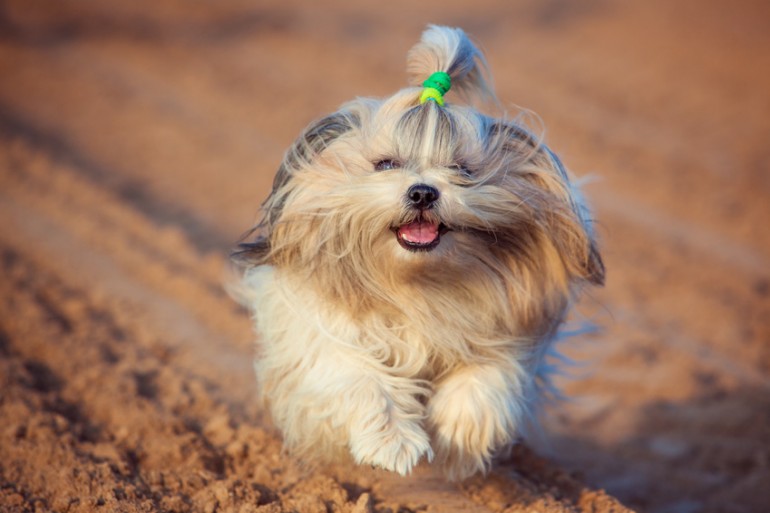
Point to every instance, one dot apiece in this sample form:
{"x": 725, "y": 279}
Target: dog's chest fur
{"x": 418, "y": 334}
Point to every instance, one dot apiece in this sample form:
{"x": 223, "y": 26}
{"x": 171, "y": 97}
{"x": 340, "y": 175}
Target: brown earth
{"x": 138, "y": 138}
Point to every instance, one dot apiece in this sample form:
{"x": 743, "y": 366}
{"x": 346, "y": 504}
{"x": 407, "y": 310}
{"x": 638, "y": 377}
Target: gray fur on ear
{"x": 572, "y": 233}
{"x": 313, "y": 140}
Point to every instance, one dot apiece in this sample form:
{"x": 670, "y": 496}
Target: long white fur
{"x": 395, "y": 356}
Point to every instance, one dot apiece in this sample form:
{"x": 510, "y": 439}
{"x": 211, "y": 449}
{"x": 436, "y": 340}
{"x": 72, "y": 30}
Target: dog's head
{"x": 399, "y": 191}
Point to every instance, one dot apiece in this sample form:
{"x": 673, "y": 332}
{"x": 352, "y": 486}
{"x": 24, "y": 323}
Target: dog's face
{"x": 382, "y": 195}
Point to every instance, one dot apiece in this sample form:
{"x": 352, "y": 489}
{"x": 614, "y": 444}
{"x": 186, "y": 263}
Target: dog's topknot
{"x": 450, "y": 50}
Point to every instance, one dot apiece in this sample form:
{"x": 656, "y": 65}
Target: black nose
{"x": 421, "y": 195}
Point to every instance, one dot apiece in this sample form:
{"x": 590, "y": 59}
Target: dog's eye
{"x": 386, "y": 165}
{"x": 461, "y": 169}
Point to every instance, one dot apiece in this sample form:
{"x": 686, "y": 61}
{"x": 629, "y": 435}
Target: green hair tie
{"x": 436, "y": 86}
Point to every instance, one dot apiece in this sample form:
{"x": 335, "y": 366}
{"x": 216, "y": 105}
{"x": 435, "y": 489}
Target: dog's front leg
{"x": 383, "y": 416}
{"x": 475, "y": 411}
{"x": 322, "y": 399}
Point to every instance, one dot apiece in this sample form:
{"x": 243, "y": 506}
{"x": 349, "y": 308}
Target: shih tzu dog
{"x": 413, "y": 264}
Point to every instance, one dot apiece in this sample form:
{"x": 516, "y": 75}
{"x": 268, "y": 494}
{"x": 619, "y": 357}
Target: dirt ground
{"x": 138, "y": 138}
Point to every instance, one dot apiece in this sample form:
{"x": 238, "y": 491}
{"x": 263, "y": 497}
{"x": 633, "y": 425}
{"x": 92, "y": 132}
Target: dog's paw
{"x": 471, "y": 417}
{"x": 397, "y": 448}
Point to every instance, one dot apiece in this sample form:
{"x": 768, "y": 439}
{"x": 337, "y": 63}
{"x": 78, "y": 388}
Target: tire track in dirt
{"x": 100, "y": 420}
{"x": 14, "y": 126}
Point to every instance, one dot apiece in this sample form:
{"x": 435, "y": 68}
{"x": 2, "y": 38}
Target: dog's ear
{"x": 590, "y": 264}
{"x": 251, "y": 254}
{"x": 311, "y": 143}
{"x": 595, "y": 266}
{"x": 539, "y": 166}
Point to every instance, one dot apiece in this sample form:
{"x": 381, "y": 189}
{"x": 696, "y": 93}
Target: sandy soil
{"x": 138, "y": 138}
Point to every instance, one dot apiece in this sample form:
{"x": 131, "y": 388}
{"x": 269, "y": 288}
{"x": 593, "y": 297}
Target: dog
{"x": 410, "y": 271}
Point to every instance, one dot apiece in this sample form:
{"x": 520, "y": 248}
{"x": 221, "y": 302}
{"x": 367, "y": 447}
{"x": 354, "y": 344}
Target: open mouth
{"x": 420, "y": 235}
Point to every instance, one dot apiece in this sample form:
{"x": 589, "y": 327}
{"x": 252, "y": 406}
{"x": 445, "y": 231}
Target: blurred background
{"x": 159, "y": 125}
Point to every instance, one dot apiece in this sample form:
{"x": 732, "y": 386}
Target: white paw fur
{"x": 389, "y": 443}
{"x": 475, "y": 411}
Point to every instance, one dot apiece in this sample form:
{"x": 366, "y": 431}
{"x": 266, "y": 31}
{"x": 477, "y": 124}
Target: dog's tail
{"x": 449, "y": 50}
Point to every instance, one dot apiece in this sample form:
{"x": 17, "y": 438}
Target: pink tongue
{"x": 419, "y": 232}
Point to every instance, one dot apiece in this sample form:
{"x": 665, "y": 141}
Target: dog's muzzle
{"x": 422, "y": 234}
